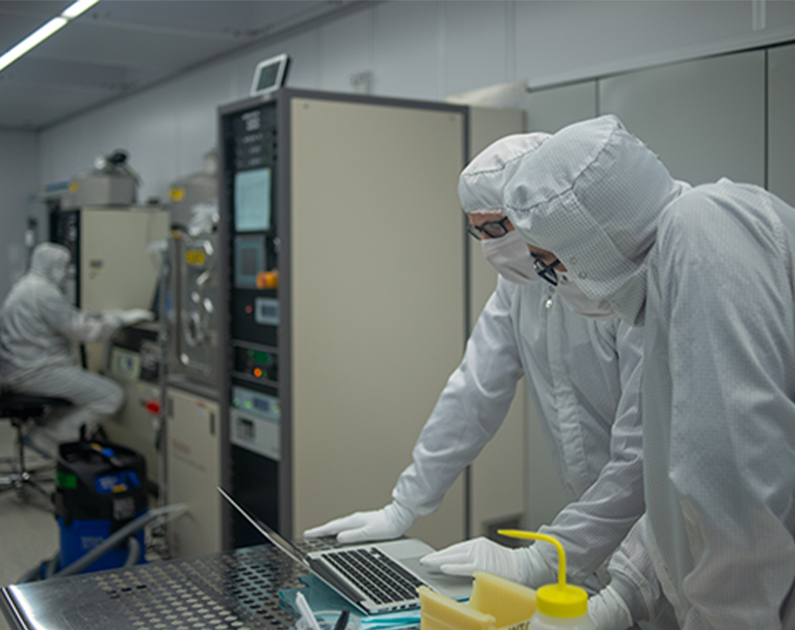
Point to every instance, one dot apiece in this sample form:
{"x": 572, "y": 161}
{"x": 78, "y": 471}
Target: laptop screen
{"x": 282, "y": 543}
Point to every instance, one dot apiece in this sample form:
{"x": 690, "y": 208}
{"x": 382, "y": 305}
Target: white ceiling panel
{"x": 22, "y": 107}
{"x": 109, "y": 44}
{"x": 121, "y": 46}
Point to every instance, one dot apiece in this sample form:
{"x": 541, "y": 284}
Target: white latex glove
{"x": 608, "y": 610}
{"x": 480, "y": 554}
{"x": 389, "y": 522}
{"x": 135, "y": 315}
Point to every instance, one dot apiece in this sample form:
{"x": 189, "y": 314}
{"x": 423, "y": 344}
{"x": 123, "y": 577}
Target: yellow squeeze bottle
{"x": 558, "y": 605}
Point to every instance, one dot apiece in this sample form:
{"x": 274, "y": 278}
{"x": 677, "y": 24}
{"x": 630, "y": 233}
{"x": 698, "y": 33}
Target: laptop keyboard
{"x": 376, "y": 574}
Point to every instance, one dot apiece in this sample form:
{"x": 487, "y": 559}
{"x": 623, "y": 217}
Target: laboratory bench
{"x": 236, "y": 590}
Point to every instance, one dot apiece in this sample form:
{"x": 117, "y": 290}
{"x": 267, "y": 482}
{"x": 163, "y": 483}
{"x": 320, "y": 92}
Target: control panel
{"x": 255, "y": 421}
{"x": 248, "y": 191}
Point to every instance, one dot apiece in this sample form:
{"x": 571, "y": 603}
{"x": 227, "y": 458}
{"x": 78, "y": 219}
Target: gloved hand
{"x": 480, "y": 554}
{"x": 608, "y": 611}
{"x": 135, "y": 315}
{"x": 389, "y": 522}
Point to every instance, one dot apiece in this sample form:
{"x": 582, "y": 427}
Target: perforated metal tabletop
{"x": 238, "y": 590}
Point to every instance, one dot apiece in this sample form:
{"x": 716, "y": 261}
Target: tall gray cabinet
{"x": 334, "y": 368}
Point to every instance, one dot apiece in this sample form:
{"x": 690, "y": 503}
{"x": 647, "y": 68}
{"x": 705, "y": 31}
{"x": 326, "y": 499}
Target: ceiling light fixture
{"x": 37, "y": 37}
{"x": 77, "y": 8}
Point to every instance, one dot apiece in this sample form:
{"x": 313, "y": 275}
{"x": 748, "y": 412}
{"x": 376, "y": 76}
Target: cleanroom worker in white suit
{"x": 583, "y": 376}
{"x": 710, "y": 272}
{"x": 38, "y": 330}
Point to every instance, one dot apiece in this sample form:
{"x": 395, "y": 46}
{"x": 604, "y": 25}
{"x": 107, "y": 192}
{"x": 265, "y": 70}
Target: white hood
{"x": 592, "y": 194}
{"x": 51, "y": 261}
{"x": 482, "y": 183}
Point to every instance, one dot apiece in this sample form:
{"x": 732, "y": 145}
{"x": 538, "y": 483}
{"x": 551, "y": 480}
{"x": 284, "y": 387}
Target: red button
{"x": 153, "y": 407}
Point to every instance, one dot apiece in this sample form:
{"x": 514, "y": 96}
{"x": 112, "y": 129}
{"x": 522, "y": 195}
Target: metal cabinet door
{"x": 193, "y": 471}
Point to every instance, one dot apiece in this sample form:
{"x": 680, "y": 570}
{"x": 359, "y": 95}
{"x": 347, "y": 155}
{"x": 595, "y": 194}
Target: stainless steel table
{"x": 237, "y": 590}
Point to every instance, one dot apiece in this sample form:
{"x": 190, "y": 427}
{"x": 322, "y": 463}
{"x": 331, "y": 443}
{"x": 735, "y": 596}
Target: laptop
{"x": 376, "y": 578}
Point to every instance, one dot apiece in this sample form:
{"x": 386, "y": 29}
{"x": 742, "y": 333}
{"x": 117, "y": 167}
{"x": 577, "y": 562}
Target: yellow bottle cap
{"x": 555, "y": 600}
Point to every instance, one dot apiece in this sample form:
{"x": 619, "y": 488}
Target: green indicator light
{"x": 66, "y": 480}
{"x": 248, "y": 404}
{"x": 262, "y": 357}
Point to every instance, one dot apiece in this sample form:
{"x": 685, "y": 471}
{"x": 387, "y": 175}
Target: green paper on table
{"x": 327, "y": 606}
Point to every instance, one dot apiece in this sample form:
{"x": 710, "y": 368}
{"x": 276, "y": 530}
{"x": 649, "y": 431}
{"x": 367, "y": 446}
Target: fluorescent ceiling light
{"x": 32, "y": 40}
{"x": 79, "y": 7}
{"x": 38, "y": 36}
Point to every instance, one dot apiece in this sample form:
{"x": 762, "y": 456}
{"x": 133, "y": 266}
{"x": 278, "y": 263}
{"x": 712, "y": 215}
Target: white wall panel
{"x": 408, "y": 71}
{"x": 704, "y": 118}
{"x": 18, "y": 169}
{"x": 778, "y": 14}
{"x": 304, "y": 67}
{"x": 196, "y": 122}
{"x": 71, "y": 147}
{"x": 474, "y": 45}
{"x": 345, "y": 48}
{"x": 781, "y": 123}
{"x": 554, "y": 108}
{"x": 146, "y": 126}
{"x": 558, "y": 40}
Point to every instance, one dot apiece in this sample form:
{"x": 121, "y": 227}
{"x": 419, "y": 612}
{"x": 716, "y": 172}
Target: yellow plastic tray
{"x": 496, "y": 604}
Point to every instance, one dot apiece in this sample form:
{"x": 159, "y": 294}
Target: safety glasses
{"x": 492, "y": 229}
{"x": 546, "y": 271}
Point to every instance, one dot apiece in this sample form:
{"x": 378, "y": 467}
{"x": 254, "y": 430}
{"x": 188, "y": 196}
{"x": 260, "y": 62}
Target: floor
{"x": 28, "y": 531}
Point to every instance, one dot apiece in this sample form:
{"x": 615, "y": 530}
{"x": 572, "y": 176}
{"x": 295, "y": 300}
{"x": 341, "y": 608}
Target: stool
{"x": 20, "y": 408}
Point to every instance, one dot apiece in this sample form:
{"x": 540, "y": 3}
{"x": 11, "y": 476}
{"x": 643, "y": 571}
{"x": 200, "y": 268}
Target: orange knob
{"x": 267, "y": 279}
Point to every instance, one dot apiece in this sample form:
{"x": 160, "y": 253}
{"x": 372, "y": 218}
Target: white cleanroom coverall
{"x": 38, "y": 328}
{"x": 584, "y": 379}
{"x": 710, "y": 272}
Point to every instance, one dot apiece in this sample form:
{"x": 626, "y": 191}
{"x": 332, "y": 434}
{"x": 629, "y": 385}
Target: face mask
{"x": 510, "y": 256}
{"x": 578, "y": 302}
{"x": 59, "y": 273}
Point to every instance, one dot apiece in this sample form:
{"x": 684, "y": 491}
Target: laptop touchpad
{"x": 409, "y": 551}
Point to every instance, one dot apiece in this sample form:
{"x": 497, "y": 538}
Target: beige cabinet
{"x": 118, "y": 271}
{"x": 377, "y": 294}
{"x": 193, "y": 472}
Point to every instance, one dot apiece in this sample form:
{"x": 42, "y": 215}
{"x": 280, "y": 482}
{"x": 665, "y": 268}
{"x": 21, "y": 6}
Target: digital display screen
{"x": 249, "y": 262}
{"x": 253, "y": 200}
{"x": 268, "y": 76}
{"x": 263, "y": 405}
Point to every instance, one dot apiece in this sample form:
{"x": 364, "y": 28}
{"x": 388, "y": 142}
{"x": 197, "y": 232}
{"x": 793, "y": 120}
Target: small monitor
{"x": 253, "y": 200}
{"x": 270, "y": 75}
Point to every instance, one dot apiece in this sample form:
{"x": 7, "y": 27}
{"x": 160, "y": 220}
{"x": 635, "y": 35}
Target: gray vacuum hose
{"x": 133, "y": 552}
{"x": 169, "y": 511}
{"x": 52, "y": 565}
